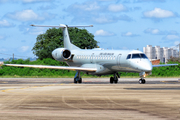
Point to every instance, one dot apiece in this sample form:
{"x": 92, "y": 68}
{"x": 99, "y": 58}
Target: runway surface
{"x": 95, "y": 98}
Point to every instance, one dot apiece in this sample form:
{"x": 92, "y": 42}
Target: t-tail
{"x": 66, "y": 38}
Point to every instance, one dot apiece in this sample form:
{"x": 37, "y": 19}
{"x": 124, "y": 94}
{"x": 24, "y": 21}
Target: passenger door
{"x": 91, "y": 58}
{"x": 119, "y": 61}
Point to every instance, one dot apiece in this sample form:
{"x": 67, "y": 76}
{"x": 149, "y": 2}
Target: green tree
{"x": 53, "y": 38}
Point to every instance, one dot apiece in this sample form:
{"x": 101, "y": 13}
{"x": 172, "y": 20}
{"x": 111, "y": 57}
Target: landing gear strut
{"x": 115, "y": 78}
{"x": 77, "y": 78}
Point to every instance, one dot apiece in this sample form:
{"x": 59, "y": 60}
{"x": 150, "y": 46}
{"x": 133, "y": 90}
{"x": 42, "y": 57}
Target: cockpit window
{"x": 135, "y": 56}
{"x": 141, "y": 55}
{"x": 129, "y": 56}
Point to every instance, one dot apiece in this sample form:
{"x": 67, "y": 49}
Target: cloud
{"x": 25, "y": 1}
{"x": 169, "y": 35}
{"x": 48, "y": 7}
{"x": 95, "y": 12}
{"x": 3, "y": 50}
{"x": 158, "y": 13}
{"x": 176, "y": 43}
{"x": 103, "y": 19}
{"x": 36, "y": 31}
{"x": 1, "y": 37}
{"x": 103, "y": 33}
{"x": 25, "y": 15}
{"x": 33, "y": 1}
{"x": 3, "y": 1}
{"x": 149, "y": 0}
{"x": 129, "y": 34}
{"x": 140, "y": 1}
{"x": 125, "y": 18}
{"x": 116, "y": 8}
{"x": 105, "y": 0}
{"x": 29, "y": 15}
{"x": 155, "y": 31}
{"x": 24, "y": 48}
{"x": 87, "y": 6}
{"x": 5, "y": 23}
{"x": 172, "y": 37}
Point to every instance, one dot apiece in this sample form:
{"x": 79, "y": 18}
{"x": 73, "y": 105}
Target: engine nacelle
{"x": 61, "y": 54}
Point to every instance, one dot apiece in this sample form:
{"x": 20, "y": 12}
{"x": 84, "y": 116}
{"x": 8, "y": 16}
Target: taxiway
{"x": 95, "y": 98}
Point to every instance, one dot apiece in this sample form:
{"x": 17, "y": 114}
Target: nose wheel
{"x": 142, "y": 81}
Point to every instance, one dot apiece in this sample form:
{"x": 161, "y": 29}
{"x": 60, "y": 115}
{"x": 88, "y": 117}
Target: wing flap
{"x": 53, "y": 67}
{"x": 163, "y": 65}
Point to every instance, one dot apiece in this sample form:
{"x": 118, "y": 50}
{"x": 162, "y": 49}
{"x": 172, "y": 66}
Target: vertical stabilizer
{"x": 66, "y": 38}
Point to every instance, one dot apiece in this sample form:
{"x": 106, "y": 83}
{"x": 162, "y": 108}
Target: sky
{"x": 118, "y": 24}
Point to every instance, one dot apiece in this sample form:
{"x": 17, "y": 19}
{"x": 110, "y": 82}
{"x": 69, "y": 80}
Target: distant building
{"x": 163, "y": 54}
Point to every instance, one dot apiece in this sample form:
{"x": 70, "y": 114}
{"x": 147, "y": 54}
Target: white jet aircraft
{"x": 97, "y": 61}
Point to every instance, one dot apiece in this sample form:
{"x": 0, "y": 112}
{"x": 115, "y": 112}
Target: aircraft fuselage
{"x": 107, "y": 61}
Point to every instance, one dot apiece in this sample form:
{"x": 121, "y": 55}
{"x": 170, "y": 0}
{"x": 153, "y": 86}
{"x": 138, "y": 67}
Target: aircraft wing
{"x": 54, "y": 67}
{"x": 163, "y": 65}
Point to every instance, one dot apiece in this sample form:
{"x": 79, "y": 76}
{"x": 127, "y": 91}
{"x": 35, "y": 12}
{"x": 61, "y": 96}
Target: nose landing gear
{"x": 142, "y": 76}
{"x": 142, "y": 81}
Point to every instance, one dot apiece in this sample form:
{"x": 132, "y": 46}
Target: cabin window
{"x": 129, "y": 56}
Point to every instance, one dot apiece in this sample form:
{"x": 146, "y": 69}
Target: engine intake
{"x": 66, "y": 54}
{"x": 61, "y": 54}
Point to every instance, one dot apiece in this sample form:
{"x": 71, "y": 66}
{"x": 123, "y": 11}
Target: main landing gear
{"x": 115, "y": 78}
{"x": 77, "y": 78}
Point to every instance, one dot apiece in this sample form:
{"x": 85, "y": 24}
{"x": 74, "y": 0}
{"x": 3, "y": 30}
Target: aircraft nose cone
{"x": 147, "y": 67}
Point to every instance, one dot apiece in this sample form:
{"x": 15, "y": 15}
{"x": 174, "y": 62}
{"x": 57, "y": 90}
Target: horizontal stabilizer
{"x": 54, "y": 67}
{"x": 62, "y": 26}
{"x": 163, "y": 65}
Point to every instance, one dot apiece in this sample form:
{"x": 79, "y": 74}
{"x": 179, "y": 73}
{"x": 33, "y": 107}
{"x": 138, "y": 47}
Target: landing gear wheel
{"x": 115, "y": 81}
{"x": 111, "y": 80}
{"x": 140, "y": 81}
{"x": 143, "y": 81}
{"x": 75, "y": 80}
{"x": 80, "y": 80}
